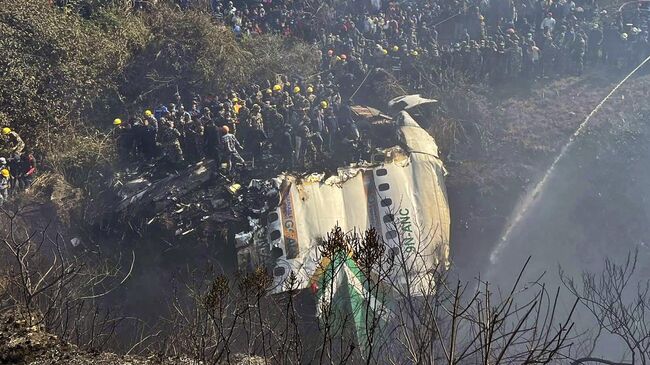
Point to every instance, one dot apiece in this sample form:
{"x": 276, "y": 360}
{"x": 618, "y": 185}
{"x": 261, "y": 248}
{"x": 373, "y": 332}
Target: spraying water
{"x": 532, "y": 195}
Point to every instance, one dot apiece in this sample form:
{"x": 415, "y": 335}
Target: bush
{"x": 189, "y": 52}
{"x": 273, "y": 54}
{"x": 56, "y": 64}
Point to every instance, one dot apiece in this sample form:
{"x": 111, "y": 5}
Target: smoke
{"x": 531, "y": 197}
{"x": 590, "y": 205}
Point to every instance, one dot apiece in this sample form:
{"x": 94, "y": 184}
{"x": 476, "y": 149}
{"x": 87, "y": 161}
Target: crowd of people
{"x": 289, "y": 122}
{"x": 421, "y": 42}
{"x": 17, "y": 168}
{"x": 434, "y": 40}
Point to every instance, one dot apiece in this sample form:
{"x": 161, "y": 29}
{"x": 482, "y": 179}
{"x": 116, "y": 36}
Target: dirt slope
{"x": 522, "y": 133}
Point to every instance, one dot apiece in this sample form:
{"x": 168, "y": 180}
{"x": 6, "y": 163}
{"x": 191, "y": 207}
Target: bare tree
{"x": 48, "y": 283}
{"x": 421, "y": 318}
{"x": 618, "y": 302}
{"x": 373, "y": 305}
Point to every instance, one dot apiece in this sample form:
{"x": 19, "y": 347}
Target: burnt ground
{"x": 594, "y": 205}
{"x": 521, "y": 131}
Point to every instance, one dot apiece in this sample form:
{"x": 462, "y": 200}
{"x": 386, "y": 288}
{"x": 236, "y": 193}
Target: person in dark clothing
{"x": 170, "y": 145}
{"x": 212, "y": 137}
{"x": 25, "y": 170}
{"x": 286, "y": 146}
{"x": 139, "y": 136}
{"x": 124, "y": 138}
{"x": 149, "y": 140}
{"x": 331, "y": 128}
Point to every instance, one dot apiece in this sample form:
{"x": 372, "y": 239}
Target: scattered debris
{"x": 278, "y": 220}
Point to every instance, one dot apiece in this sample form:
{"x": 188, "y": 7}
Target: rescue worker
{"x": 13, "y": 144}
{"x": 25, "y": 171}
{"x": 5, "y": 176}
{"x": 170, "y": 145}
{"x": 331, "y": 126}
{"x": 302, "y": 138}
{"x": 230, "y": 146}
{"x": 351, "y": 139}
{"x": 139, "y": 135}
{"x": 318, "y": 128}
{"x": 285, "y": 146}
{"x": 160, "y": 112}
{"x": 212, "y": 139}
{"x": 578, "y": 52}
{"x": 151, "y": 120}
{"x": 149, "y": 132}
{"x": 124, "y": 138}
{"x": 194, "y": 139}
{"x": 257, "y": 133}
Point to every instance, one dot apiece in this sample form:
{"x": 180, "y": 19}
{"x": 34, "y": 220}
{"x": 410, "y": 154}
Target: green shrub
{"x": 55, "y": 64}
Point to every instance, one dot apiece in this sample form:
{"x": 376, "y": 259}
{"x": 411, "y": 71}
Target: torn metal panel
{"x": 371, "y": 114}
{"x": 141, "y": 194}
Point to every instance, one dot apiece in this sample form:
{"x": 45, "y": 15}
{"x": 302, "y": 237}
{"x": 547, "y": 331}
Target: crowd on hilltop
{"x": 421, "y": 42}
{"x": 483, "y": 39}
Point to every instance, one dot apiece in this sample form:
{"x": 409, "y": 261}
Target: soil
{"x": 524, "y": 129}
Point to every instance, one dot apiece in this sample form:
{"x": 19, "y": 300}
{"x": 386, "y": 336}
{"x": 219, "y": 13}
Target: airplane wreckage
{"x": 278, "y": 222}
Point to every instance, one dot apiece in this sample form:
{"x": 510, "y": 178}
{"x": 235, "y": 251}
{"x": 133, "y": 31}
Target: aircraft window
{"x": 381, "y": 172}
{"x": 387, "y": 202}
{"x": 273, "y": 217}
{"x": 275, "y": 235}
{"x": 383, "y": 187}
{"x": 389, "y": 218}
{"x": 391, "y": 235}
{"x": 276, "y": 252}
{"x": 279, "y": 271}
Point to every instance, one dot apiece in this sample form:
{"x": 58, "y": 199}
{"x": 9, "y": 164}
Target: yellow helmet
{"x": 323, "y": 104}
{"x": 148, "y": 113}
{"x": 117, "y": 121}
{"x": 6, "y": 130}
{"x": 414, "y": 53}
{"x": 4, "y": 172}
{"x": 235, "y": 100}
{"x": 269, "y": 91}
{"x": 395, "y": 48}
{"x": 310, "y": 89}
{"x": 277, "y": 88}
{"x": 384, "y": 51}
{"x": 296, "y": 90}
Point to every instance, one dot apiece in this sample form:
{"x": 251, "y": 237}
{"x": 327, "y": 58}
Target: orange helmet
{"x": 225, "y": 129}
